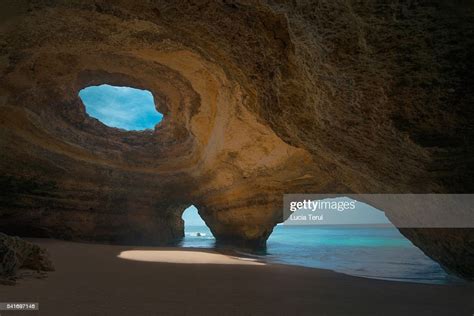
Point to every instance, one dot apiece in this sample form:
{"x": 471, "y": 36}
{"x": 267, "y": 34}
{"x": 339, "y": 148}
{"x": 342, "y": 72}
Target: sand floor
{"x": 93, "y": 279}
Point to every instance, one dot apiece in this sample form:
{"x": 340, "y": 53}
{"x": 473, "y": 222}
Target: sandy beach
{"x": 92, "y": 279}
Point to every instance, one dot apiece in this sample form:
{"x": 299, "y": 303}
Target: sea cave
{"x": 238, "y": 103}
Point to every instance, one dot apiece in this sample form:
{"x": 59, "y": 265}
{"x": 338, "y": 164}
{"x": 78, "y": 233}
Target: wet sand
{"x": 93, "y": 279}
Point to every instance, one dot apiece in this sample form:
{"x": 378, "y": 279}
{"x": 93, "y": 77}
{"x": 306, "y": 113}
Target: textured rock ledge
{"x": 260, "y": 98}
{"x": 16, "y": 254}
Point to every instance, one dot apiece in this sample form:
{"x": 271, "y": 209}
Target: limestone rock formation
{"x": 260, "y": 98}
{"x": 16, "y": 253}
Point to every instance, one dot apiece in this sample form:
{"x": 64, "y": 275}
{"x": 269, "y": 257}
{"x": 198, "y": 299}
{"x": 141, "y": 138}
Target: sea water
{"x": 372, "y": 252}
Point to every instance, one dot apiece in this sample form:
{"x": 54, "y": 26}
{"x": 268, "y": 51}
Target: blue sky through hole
{"x": 121, "y": 107}
{"x": 191, "y": 217}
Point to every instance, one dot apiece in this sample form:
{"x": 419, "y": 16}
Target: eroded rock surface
{"x": 260, "y": 98}
{"x": 16, "y": 254}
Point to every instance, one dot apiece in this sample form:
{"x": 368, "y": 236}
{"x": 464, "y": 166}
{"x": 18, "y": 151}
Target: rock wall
{"x": 260, "y": 98}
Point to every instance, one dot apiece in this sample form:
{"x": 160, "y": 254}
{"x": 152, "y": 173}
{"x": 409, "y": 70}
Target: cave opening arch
{"x": 362, "y": 242}
{"x": 196, "y": 232}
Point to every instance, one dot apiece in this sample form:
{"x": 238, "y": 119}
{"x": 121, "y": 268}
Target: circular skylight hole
{"x": 121, "y": 107}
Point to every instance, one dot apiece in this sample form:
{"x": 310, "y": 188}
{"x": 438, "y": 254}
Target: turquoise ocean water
{"x": 381, "y": 253}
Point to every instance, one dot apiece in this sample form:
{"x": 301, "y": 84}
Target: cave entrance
{"x": 362, "y": 242}
{"x": 121, "y": 107}
{"x": 196, "y": 232}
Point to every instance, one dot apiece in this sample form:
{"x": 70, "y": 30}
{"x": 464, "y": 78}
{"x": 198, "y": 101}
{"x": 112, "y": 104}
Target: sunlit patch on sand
{"x": 186, "y": 257}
